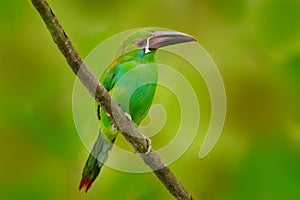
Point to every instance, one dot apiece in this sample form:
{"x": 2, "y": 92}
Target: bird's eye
{"x": 140, "y": 42}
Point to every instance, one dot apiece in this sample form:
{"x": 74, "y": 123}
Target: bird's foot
{"x": 149, "y": 146}
{"x": 128, "y": 116}
{"x": 114, "y": 127}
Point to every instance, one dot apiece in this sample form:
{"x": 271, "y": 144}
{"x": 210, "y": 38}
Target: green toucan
{"x": 131, "y": 80}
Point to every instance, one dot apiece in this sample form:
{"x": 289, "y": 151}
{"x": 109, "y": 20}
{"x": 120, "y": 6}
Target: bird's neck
{"x": 138, "y": 56}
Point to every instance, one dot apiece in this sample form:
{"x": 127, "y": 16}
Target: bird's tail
{"x": 95, "y": 161}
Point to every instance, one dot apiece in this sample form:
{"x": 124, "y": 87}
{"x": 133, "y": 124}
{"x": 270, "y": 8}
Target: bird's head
{"x": 149, "y": 40}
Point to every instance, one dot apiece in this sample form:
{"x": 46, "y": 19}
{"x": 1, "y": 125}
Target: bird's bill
{"x": 165, "y": 38}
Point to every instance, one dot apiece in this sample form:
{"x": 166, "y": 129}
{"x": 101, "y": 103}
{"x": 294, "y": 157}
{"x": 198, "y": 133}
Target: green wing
{"x": 132, "y": 84}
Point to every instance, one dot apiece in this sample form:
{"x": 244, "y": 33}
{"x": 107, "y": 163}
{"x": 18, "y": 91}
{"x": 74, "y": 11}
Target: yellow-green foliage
{"x": 256, "y": 45}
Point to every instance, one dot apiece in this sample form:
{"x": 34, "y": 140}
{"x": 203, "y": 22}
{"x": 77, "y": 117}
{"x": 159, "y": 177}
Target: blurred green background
{"x": 256, "y": 45}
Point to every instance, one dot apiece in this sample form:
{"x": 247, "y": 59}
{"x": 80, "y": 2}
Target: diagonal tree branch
{"x": 102, "y": 97}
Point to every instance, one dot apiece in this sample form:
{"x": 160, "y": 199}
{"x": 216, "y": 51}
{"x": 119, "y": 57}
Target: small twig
{"x": 102, "y": 97}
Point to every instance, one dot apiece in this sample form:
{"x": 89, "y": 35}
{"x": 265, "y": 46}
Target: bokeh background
{"x": 256, "y": 45}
